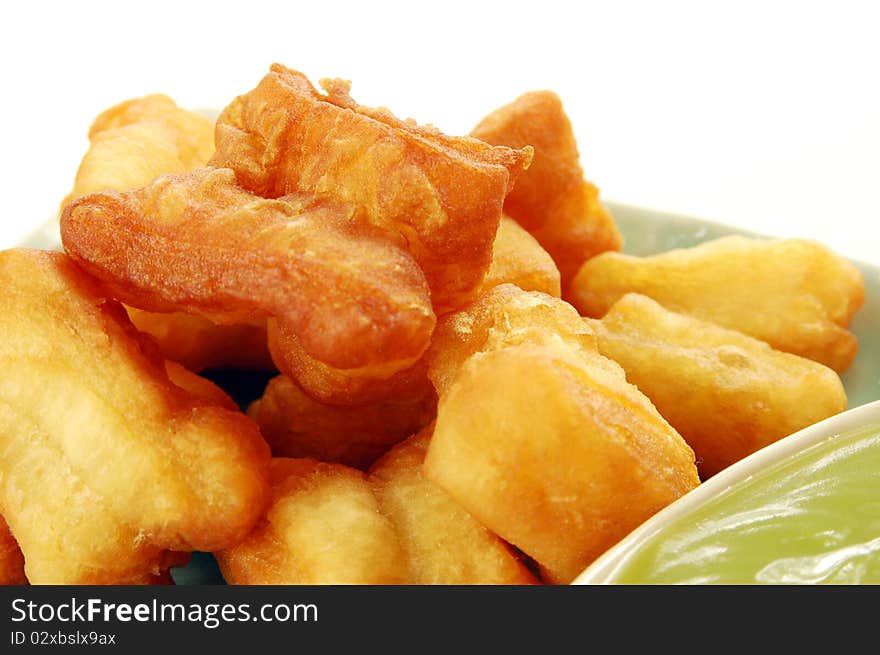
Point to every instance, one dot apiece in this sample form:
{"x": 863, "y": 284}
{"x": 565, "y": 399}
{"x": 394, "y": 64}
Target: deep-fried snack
{"x": 200, "y": 344}
{"x": 551, "y": 200}
{"x": 132, "y": 143}
{"x": 542, "y": 439}
{"x": 295, "y": 425}
{"x": 502, "y": 316}
{"x": 519, "y": 259}
{"x": 516, "y": 258}
{"x": 344, "y": 387}
{"x": 796, "y": 295}
{"x": 137, "y": 140}
{"x": 199, "y": 243}
{"x": 107, "y": 465}
{"x": 726, "y": 393}
{"x": 443, "y": 543}
{"x": 11, "y": 559}
{"x": 198, "y": 386}
{"x": 438, "y": 196}
{"x": 323, "y": 527}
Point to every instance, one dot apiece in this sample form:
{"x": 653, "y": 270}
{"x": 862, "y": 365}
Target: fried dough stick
{"x": 335, "y": 418}
{"x": 133, "y": 143}
{"x": 519, "y": 259}
{"x": 108, "y": 468}
{"x": 324, "y": 526}
{"x": 443, "y": 543}
{"x": 199, "y": 243}
{"x": 551, "y": 200}
{"x": 136, "y": 141}
{"x": 726, "y": 393}
{"x": 795, "y": 294}
{"x": 516, "y": 258}
{"x": 438, "y": 196}
{"x": 295, "y": 425}
{"x": 541, "y": 438}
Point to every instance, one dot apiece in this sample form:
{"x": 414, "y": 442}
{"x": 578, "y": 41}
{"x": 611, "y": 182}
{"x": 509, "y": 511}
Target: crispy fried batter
{"x": 107, "y": 465}
{"x": 199, "y": 243}
{"x": 198, "y": 386}
{"x": 794, "y": 294}
{"x": 551, "y": 200}
{"x": 438, "y": 196}
{"x": 519, "y": 259}
{"x": 339, "y": 386}
{"x": 323, "y": 527}
{"x": 443, "y": 543}
{"x": 542, "y": 439}
{"x": 503, "y": 316}
{"x": 295, "y": 425}
{"x": 132, "y": 143}
{"x": 200, "y": 344}
{"x": 516, "y": 258}
{"x": 137, "y": 140}
{"x": 726, "y": 393}
{"x": 11, "y": 559}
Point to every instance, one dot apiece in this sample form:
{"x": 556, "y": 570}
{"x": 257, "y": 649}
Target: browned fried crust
{"x": 436, "y": 195}
{"x": 199, "y": 243}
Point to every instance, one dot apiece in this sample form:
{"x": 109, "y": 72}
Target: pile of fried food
{"x": 472, "y": 384}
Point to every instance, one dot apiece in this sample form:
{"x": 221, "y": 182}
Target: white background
{"x": 762, "y": 115}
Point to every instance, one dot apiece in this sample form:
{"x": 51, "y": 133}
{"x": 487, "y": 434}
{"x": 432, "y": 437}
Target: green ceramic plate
{"x": 646, "y": 232}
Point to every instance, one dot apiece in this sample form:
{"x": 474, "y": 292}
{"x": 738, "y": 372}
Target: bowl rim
{"x": 605, "y": 568}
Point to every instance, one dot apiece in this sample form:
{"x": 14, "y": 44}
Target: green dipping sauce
{"x": 812, "y": 518}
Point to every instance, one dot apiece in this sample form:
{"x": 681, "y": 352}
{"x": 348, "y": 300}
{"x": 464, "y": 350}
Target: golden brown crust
{"x": 295, "y": 425}
{"x": 541, "y": 438}
{"x": 198, "y": 386}
{"x": 323, "y": 527}
{"x": 132, "y": 143}
{"x": 351, "y": 299}
{"x": 443, "y": 543}
{"x": 794, "y": 294}
{"x": 551, "y": 200}
{"x": 200, "y": 344}
{"x": 726, "y": 393}
{"x": 517, "y": 258}
{"x": 137, "y": 140}
{"x": 503, "y": 316}
{"x": 108, "y": 464}
{"x": 438, "y": 196}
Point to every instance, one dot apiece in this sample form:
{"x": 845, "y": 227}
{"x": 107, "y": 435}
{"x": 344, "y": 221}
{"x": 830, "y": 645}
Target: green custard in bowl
{"x": 805, "y": 510}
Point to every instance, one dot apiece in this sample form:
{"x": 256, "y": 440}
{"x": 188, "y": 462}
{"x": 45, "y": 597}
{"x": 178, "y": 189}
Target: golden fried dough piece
{"x": 137, "y": 140}
{"x": 107, "y": 464}
{"x": 198, "y": 386}
{"x": 200, "y": 344}
{"x": 323, "y": 527}
{"x": 11, "y": 559}
{"x": 295, "y": 425}
{"x": 345, "y": 387}
{"x": 436, "y": 195}
{"x": 519, "y": 259}
{"x": 726, "y": 393}
{"x": 503, "y": 316}
{"x": 133, "y": 143}
{"x": 199, "y": 243}
{"x": 551, "y": 200}
{"x": 541, "y": 438}
{"x": 443, "y": 543}
{"x": 796, "y": 295}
